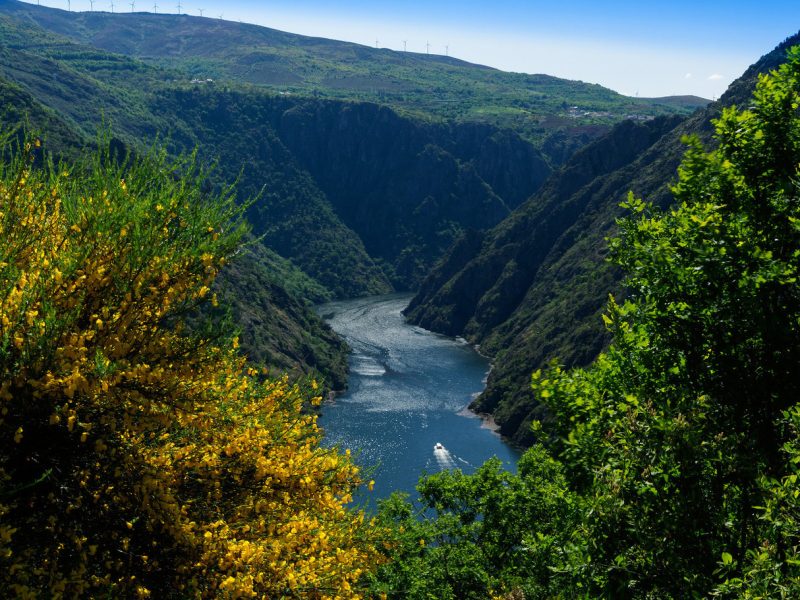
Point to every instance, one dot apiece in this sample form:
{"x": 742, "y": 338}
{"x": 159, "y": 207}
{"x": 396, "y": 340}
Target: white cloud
{"x": 715, "y": 76}
{"x": 687, "y": 76}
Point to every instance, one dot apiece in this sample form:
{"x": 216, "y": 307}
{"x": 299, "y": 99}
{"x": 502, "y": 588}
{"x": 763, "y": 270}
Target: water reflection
{"x": 407, "y": 391}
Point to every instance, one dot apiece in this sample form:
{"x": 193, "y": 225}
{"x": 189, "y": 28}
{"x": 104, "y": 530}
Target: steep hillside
{"x": 408, "y": 188}
{"x": 267, "y": 299}
{"x": 344, "y": 188}
{"x": 344, "y": 184}
{"x": 234, "y": 131}
{"x": 532, "y": 289}
{"x": 267, "y": 295}
{"x": 86, "y": 88}
{"x": 427, "y": 85}
{"x": 18, "y": 107}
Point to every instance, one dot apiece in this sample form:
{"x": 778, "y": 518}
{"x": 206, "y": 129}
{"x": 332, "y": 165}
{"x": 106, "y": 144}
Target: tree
{"x": 477, "y": 536}
{"x": 673, "y": 431}
{"x": 138, "y": 457}
{"x": 674, "y": 457}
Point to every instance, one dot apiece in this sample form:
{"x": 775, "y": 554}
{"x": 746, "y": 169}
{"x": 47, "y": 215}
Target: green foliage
{"x": 674, "y": 430}
{"x": 139, "y": 457}
{"x": 678, "y": 448}
{"x": 772, "y": 568}
{"x": 477, "y": 536}
{"x": 430, "y": 87}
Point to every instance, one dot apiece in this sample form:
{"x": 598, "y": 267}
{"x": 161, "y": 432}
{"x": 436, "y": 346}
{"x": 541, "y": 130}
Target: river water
{"x": 408, "y": 390}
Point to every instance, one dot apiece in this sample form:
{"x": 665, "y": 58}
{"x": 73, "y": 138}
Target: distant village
{"x": 575, "y": 112}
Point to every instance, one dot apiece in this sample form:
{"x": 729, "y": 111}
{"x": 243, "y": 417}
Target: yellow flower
{"x": 178, "y": 427}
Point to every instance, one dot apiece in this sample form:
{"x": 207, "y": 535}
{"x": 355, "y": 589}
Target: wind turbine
{"x": 112, "y": 7}
{"x": 133, "y": 5}
{"x": 200, "y": 10}
{"x": 376, "y": 43}
{"x": 69, "y": 5}
{"x": 155, "y": 8}
{"x": 404, "y": 45}
{"x": 91, "y": 5}
{"x": 180, "y": 6}
{"x": 446, "y": 50}
{"x": 427, "y": 47}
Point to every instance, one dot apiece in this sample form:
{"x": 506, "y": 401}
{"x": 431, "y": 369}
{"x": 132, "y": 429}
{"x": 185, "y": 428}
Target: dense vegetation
{"x": 278, "y": 328}
{"x": 669, "y": 467}
{"x": 266, "y": 297}
{"x": 359, "y": 197}
{"x": 139, "y": 457}
{"x": 534, "y": 287}
{"x": 139, "y": 453}
{"x": 557, "y": 114}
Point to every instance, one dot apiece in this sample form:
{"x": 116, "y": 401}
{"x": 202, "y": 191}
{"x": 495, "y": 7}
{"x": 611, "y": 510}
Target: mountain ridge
{"x": 245, "y": 132}
{"x": 427, "y": 86}
{"x": 525, "y": 318}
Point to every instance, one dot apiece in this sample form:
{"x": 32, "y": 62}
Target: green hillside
{"x": 279, "y": 329}
{"x": 427, "y": 86}
{"x": 669, "y": 467}
{"x": 533, "y": 288}
{"x": 277, "y": 148}
{"x": 360, "y": 197}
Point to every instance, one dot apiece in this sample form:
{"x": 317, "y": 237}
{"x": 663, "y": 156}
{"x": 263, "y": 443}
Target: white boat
{"x": 438, "y": 446}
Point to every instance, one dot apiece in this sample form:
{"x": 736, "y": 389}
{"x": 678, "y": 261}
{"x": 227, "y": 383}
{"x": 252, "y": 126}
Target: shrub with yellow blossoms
{"x": 137, "y": 458}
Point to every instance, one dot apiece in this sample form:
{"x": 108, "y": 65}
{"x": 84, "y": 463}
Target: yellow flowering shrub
{"x": 137, "y": 459}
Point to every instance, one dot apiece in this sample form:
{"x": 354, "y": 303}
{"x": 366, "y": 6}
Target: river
{"x": 408, "y": 390}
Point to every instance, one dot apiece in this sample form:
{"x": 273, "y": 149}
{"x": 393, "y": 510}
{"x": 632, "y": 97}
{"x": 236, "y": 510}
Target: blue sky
{"x": 653, "y": 49}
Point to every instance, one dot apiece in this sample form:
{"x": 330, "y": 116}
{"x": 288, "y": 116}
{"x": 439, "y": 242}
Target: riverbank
{"x": 409, "y": 389}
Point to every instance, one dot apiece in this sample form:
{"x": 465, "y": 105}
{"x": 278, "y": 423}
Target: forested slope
{"x": 267, "y": 295}
{"x": 358, "y": 196}
{"x": 556, "y": 114}
{"x": 669, "y": 467}
{"x": 534, "y": 287}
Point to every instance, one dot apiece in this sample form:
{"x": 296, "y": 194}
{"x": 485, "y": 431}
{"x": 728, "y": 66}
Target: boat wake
{"x": 444, "y": 459}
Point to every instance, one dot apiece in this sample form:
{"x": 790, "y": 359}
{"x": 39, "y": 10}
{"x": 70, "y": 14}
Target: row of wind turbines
{"x": 427, "y": 47}
{"x": 179, "y": 6}
{"x": 132, "y": 4}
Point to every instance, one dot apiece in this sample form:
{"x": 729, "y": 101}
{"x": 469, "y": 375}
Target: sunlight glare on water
{"x": 407, "y": 392}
